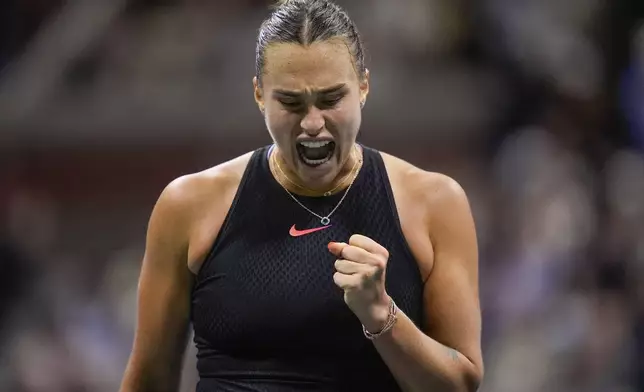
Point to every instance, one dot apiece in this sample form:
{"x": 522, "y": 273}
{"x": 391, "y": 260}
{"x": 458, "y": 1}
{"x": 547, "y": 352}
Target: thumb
{"x": 336, "y": 248}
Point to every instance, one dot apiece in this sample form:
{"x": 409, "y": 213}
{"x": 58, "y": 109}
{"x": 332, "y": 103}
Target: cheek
{"x": 348, "y": 116}
{"x": 280, "y": 124}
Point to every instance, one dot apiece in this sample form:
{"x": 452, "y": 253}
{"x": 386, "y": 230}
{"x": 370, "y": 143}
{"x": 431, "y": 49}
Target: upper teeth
{"x": 315, "y": 144}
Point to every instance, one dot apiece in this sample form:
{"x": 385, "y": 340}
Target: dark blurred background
{"x": 536, "y": 107}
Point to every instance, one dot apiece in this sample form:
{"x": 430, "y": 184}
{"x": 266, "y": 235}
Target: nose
{"x": 313, "y": 122}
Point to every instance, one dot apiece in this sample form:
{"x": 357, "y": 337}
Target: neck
{"x": 289, "y": 180}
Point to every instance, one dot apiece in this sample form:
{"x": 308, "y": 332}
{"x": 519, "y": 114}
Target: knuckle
{"x": 381, "y": 263}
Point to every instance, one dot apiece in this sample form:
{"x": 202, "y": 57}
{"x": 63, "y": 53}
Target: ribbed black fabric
{"x": 266, "y": 313}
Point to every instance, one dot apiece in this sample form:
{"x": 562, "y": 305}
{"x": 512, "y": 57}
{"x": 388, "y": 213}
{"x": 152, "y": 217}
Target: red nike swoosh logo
{"x": 297, "y": 233}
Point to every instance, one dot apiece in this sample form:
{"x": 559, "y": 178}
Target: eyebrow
{"x": 290, "y": 93}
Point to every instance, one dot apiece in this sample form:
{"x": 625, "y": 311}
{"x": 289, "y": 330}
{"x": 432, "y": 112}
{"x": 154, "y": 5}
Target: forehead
{"x": 297, "y": 67}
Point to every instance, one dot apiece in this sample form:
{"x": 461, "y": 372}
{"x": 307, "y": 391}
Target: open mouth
{"x": 315, "y": 153}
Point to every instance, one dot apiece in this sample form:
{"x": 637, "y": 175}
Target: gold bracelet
{"x": 392, "y": 317}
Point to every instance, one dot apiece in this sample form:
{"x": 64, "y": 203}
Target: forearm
{"x": 151, "y": 376}
{"x": 133, "y": 383}
{"x": 420, "y": 363}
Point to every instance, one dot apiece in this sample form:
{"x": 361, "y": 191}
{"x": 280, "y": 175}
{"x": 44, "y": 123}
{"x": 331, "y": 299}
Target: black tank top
{"x": 266, "y": 313}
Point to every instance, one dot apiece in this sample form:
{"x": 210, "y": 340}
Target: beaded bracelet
{"x": 392, "y": 317}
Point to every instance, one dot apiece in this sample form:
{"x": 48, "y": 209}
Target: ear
{"x": 364, "y": 87}
{"x": 259, "y": 94}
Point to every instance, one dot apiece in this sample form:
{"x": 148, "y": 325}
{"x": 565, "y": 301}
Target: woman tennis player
{"x": 315, "y": 263}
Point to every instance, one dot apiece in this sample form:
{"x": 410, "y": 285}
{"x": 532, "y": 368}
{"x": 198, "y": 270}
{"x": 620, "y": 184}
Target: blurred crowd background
{"x": 535, "y": 106}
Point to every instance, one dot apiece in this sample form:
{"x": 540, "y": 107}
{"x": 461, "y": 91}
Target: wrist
{"x": 378, "y": 316}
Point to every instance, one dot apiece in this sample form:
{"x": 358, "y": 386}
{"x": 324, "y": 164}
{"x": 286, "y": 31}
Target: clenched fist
{"x": 360, "y": 272}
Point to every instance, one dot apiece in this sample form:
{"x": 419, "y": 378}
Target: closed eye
{"x": 330, "y": 102}
{"x": 290, "y": 104}
{"x": 324, "y": 102}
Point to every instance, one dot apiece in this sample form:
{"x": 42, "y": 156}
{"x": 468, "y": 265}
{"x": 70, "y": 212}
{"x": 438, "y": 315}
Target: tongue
{"x": 315, "y": 153}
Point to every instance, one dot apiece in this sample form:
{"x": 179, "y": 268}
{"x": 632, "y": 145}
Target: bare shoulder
{"x": 195, "y": 206}
{"x": 195, "y": 189}
{"x": 423, "y": 186}
{"x": 426, "y": 203}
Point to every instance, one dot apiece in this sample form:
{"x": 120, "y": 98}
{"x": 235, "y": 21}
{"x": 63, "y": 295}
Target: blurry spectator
{"x": 632, "y": 89}
{"x": 15, "y": 278}
{"x": 19, "y": 21}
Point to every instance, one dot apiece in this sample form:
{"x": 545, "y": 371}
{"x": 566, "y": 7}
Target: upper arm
{"x": 451, "y": 293}
{"x": 163, "y": 297}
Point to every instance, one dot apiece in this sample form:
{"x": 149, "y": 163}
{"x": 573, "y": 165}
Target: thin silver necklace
{"x": 324, "y": 220}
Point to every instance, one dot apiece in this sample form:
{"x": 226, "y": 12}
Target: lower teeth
{"x": 314, "y": 161}
{"x": 315, "y": 156}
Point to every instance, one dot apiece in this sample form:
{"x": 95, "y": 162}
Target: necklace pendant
{"x": 327, "y": 193}
{"x": 325, "y": 220}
